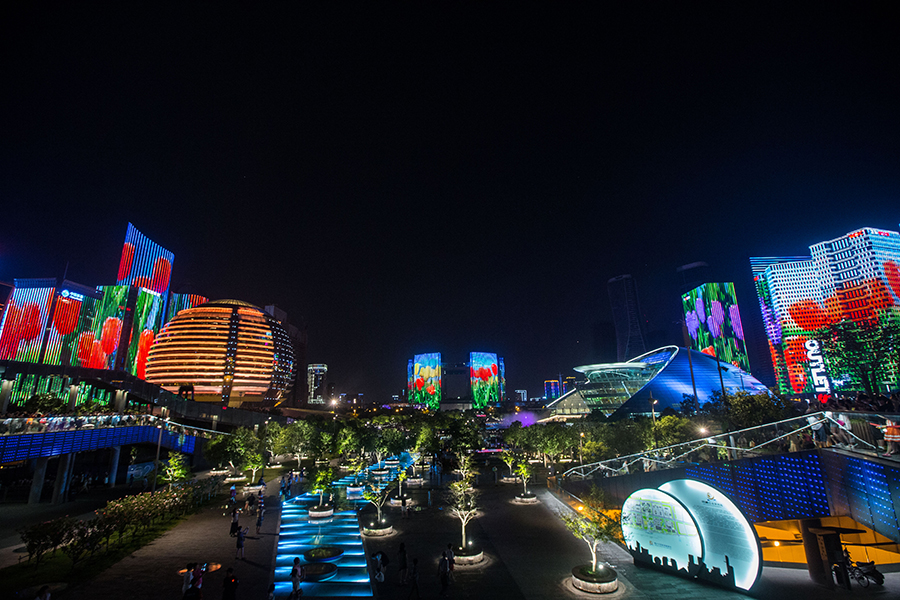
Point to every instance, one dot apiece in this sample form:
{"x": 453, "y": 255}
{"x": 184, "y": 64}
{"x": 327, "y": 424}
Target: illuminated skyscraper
{"x": 315, "y": 381}
{"x": 551, "y": 389}
{"x": 855, "y": 277}
{"x": 713, "y": 323}
{"x": 626, "y": 312}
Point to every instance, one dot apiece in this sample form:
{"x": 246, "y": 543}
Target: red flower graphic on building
{"x": 65, "y": 317}
{"x": 112, "y": 332}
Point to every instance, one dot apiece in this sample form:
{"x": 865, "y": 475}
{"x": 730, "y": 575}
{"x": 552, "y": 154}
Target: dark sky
{"x": 443, "y": 177}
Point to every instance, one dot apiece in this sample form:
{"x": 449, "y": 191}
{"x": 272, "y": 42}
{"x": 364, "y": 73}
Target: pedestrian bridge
{"x": 27, "y": 438}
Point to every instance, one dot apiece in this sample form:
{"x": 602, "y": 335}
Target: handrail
{"x": 50, "y": 424}
{"x": 677, "y": 454}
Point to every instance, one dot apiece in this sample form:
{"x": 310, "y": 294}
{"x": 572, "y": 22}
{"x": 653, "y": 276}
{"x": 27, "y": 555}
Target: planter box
{"x": 378, "y": 530}
{"x": 320, "y": 512}
{"x": 355, "y": 490}
{"x": 415, "y": 482}
{"x": 399, "y": 501}
{"x": 323, "y": 554}
{"x": 320, "y": 571}
{"x": 380, "y": 472}
{"x": 508, "y": 479}
{"x": 468, "y": 559}
{"x": 526, "y": 498}
{"x": 605, "y": 582}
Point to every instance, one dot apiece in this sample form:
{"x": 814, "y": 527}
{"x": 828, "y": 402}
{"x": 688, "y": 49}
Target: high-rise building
{"x": 315, "y": 381}
{"x": 551, "y": 389}
{"x": 626, "y": 311}
{"x": 713, "y": 323}
{"x": 853, "y": 277}
{"x": 522, "y": 396}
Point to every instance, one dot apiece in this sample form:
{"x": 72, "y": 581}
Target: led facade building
{"x": 853, "y": 277}
{"x": 551, "y": 389}
{"x": 144, "y": 263}
{"x": 225, "y": 350}
{"x": 478, "y": 383}
{"x": 425, "y": 380}
{"x": 315, "y": 381}
{"x": 714, "y": 323}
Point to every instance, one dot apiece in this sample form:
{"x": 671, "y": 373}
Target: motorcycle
{"x": 864, "y": 571}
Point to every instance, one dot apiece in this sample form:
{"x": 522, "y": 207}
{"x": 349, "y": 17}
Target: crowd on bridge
{"x": 18, "y": 424}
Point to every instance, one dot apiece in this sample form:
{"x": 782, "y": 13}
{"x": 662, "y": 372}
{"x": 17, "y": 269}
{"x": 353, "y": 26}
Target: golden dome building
{"x": 225, "y": 351}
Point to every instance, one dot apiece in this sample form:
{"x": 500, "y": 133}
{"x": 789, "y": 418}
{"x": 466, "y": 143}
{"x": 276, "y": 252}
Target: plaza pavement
{"x": 528, "y": 555}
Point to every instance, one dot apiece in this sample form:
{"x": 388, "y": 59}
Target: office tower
{"x": 315, "y": 381}
{"x": 626, "y": 311}
{"x": 551, "y": 389}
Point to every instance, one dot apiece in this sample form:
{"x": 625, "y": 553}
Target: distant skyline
{"x": 447, "y": 179}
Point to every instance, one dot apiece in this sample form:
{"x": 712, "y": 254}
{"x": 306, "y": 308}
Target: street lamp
{"x": 156, "y": 463}
{"x": 653, "y": 402}
{"x": 580, "y": 449}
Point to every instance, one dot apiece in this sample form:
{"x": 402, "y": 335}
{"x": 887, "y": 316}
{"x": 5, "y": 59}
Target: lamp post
{"x": 581, "y": 449}
{"x": 653, "y": 402}
{"x": 156, "y": 462}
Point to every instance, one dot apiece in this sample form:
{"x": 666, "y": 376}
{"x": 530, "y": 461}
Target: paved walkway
{"x": 529, "y": 555}
{"x": 153, "y": 572}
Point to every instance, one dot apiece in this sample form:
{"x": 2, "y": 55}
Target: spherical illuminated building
{"x": 226, "y": 351}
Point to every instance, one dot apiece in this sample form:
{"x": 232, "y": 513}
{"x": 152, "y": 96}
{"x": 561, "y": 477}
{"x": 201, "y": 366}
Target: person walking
{"x": 401, "y": 563}
{"x": 298, "y": 574}
{"x": 188, "y": 576}
{"x": 235, "y": 521}
{"x": 229, "y": 587}
{"x": 197, "y": 575}
{"x": 451, "y": 561}
{"x": 259, "y": 520}
{"x": 444, "y": 573}
{"x": 240, "y": 542}
{"x": 414, "y": 580}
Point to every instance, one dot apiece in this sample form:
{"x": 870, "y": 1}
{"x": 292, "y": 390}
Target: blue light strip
{"x": 298, "y": 534}
{"x": 33, "y": 445}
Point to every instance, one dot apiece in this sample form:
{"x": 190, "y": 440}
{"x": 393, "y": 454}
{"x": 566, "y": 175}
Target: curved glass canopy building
{"x": 624, "y": 388}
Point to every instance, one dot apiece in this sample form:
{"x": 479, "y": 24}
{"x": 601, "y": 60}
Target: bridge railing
{"x": 852, "y": 431}
{"x": 50, "y": 424}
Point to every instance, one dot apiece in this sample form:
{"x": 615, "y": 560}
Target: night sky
{"x": 444, "y": 177}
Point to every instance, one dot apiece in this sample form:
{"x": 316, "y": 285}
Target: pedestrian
{"x": 188, "y": 576}
{"x": 240, "y": 542}
{"x": 235, "y": 521}
{"x": 414, "y": 579}
{"x": 43, "y": 593}
{"x": 403, "y": 508}
{"x": 193, "y": 593}
{"x": 233, "y": 491}
{"x": 298, "y": 574}
{"x": 229, "y": 587}
{"x": 451, "y": 560}
{"x": 401, "y": 563}
{"x": 259, "y": 520}
{"x": 197, "y": 575}
{"x": 444, "y": 573}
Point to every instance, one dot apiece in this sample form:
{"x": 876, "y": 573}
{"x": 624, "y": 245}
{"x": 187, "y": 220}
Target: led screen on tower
{"x": 714, "y": 323}
{"x": 484, "y": 379}
{"x": 144, "y": 263}
{"x": 72, "y": 316}
{"x": 25, "y": 319}
{"x": 147, "y": 320}
{"x": 179, "y": 302}
{"x": 425, "y": 380}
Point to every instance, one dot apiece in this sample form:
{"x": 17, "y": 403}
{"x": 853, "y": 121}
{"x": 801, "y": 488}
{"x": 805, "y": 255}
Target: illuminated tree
{"x": 463, "y": 502}
{"x": 322, "y": 482}
{"x": 294, "y": 438}
{"x": 234, "y": 449}
{"x": 177, "y": 469}
{"x": 594, "y": 523}
{"x": 524, "y": 470}
{"x": 510, "y": 459}
{"x": 378, "y": 497}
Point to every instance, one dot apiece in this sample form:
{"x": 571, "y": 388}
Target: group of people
{"x": 408, "y": 571}
{"x": 286, "y": 488}
{"x": 192, "y": 586}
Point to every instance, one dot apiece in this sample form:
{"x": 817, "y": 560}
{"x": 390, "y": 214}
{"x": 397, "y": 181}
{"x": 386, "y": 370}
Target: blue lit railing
{"x": 53, "y": 437}
{"x": 298, "y": 534}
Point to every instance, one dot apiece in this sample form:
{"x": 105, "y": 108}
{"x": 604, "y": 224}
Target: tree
{"x": 467, "y": 468}
{"x": 524, "y": 470}
{"x": 234, "y": 449}
{"x": 594, "y": 524}
{"x": 46, "y": 403}
{"x": 255, "y": 462}
{"x": 177, "y": 469}
{"x": 748, "y": 410}
{"x": 401, "y": 477}
{"x": 463, "y": 502}
{"x": 294, "y": 438}
{"x": 393, "y": 442}
{"x": 377, "y": 497}
{"x": 510, "y": 459}
{"x": 671, "y": 430}
{"x": 869, "y": 352}
{"x": 322, "y": 482}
